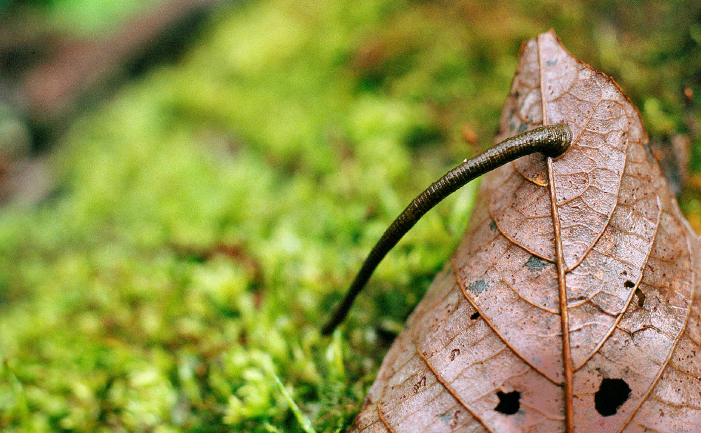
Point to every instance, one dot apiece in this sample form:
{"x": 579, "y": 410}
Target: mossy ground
{"x": 206, "y": 219}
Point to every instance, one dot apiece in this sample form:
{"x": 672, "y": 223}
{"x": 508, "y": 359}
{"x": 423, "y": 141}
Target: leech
{"x": 552, "y": 141}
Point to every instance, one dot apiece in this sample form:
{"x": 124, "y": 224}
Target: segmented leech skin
{"x": 551, "y": 140}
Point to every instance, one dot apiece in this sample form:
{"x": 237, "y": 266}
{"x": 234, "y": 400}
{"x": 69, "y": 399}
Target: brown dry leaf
{"x": 485, "y": 351}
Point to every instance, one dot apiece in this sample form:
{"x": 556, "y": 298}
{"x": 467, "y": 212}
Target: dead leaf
{"x": 592, "y": 241}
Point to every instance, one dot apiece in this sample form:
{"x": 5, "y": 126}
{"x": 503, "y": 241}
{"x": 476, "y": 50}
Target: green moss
{"x": 207, "y": 218}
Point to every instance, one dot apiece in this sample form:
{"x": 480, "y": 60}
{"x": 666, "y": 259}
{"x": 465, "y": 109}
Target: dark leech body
{"x": 552, "y": 141}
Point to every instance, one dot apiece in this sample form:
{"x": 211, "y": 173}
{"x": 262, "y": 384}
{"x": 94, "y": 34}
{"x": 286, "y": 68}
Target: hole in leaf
{"x": 629, "y": 284}
{"x": 508, "y": 402}
{"x": 475, "y": 316}
{"x": 641, "y": 297}
{"x": 611, "y": 395}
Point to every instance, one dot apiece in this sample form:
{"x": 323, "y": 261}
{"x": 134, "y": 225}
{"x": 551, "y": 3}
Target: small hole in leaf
{"x": 629, "y": 284}
{"x": 508, "y": 402}
{"x": 475, "y": 316}
{"x": 611, "y": 395}
{"x": 641, "y": 297}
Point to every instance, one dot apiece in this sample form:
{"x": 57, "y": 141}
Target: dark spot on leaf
{"x": 451, "y": 419}
{"x": 629, "y": 284}
{"x": 536, "y": 264}
{"x": 477, "y": 287}
{"x": 454, "y": 353}
{"x": 551, "y": 62}
{"x": 493, "y": 226}
{"x": 611, "y": 395}
{"x": 420, "y": 384}
{"x": 508, "y": 402}
{"x": 641, "y": 297}
{"x": 475, "y": 316}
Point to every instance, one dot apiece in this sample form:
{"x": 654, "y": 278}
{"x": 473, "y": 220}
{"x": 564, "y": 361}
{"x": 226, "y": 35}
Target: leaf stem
{"x": 564, "y": 312}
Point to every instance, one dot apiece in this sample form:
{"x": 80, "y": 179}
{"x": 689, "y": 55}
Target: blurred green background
{"x": 201, "y": 221}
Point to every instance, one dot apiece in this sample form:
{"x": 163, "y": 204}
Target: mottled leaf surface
{"x": 485, "y": 351}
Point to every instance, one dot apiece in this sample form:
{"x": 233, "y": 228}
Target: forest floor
{"x": 187, "y": 234}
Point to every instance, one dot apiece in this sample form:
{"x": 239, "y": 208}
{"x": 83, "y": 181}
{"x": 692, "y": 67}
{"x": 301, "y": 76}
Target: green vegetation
{"x": 207, "y": 218}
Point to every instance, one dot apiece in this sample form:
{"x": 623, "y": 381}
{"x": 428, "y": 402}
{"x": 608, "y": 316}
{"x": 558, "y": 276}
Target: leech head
{"x": 559, "y": 138}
